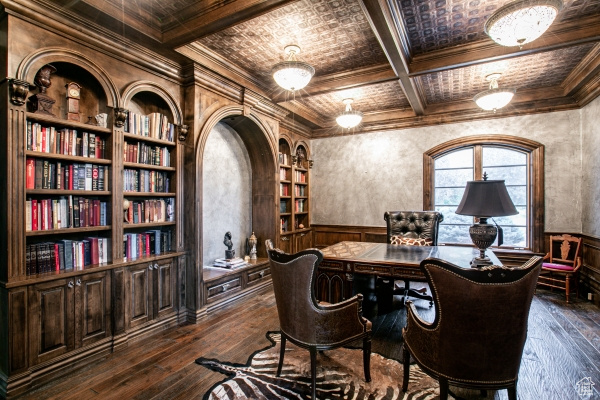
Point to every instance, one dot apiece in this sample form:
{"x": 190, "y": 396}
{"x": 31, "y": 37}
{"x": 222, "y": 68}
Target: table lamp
{"x": 485, "y": 199}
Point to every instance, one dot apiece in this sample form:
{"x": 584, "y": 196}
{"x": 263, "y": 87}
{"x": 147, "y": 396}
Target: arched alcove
{"x": 261, "y": 161}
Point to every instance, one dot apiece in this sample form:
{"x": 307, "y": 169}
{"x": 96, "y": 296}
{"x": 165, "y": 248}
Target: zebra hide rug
{"x": 339, "y": 376}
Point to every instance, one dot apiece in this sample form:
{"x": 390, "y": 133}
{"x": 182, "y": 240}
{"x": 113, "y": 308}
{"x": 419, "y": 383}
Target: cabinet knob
{"x": 285, "y": 239}
{"x": 302, "y": 234}
{"x": 150, "y": 267}
{"x": 261, "y": 273}
{"x": 155, "y": 266}
{"x": 70, "y": 284}
{"x": 225, "y": 287}
{"x": 78, "y": 282}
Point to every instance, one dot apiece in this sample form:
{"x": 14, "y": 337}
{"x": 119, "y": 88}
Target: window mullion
{"x": 478, "y": 162}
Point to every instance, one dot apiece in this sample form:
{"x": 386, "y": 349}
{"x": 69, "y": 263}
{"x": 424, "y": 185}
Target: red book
{"x": 147, "y": 235}
{"x": 94, "y": 254}
{"x": 30, "y": 180}
{"x": 96, "y": 214}
{"x": 56, "y": 258}
{"x": 98, "y": 144}
{"x": 43, "y": 214}
{"x": 71, "y": 177}
{"x": 43, "y": 149}
{"x": 34, "y": 215}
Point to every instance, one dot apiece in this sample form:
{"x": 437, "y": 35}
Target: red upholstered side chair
{"x": 479, "y": 330}
{"x": 561, "y": 264}
{"x": 305, "y": 322}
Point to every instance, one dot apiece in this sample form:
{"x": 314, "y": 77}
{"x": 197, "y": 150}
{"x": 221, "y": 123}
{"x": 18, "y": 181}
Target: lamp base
{"x": 483, "y": 236}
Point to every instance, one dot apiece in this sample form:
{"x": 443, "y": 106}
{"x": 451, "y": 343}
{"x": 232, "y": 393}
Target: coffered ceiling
{"x": 405, "y": 62}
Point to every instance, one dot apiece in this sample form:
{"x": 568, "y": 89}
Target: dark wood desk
{"x": 342, "y": 260}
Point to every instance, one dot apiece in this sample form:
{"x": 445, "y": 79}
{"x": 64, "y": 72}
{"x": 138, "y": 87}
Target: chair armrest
{"x": 341, "y": 320}
{"x": 546, "y": 257}
{"x": 577, "y": 264}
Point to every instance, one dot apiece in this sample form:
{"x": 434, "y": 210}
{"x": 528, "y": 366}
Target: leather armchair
{"x": 411, "y": 228}
{"x": 304, "y": 321}
{"x": 479, "y": 341}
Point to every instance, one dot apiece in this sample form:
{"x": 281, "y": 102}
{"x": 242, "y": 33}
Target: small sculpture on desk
{"x": 229, "y": 253}
{"x": 252, "y": 241}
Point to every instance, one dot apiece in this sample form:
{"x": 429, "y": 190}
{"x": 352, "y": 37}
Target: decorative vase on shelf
{"x": 252, "y": 241}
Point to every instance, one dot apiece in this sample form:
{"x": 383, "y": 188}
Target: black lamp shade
{"x": 486, "y": 199}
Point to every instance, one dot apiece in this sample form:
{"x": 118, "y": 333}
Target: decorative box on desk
{"x": 222, "y": 285}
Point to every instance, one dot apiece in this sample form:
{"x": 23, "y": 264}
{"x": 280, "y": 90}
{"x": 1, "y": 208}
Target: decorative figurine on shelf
{"x": 73, "y": 96}
{"x": 125, "y": 210}
{"x": 252, "y": 241}
{"x": 229, "y": 253}
{"x": 41, "y": 102}
{"x": 101, "y": 119}
{"x": 300, "y": 156}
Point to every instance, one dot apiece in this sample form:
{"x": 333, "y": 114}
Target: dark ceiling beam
{"x": 387, "y": 26}
{"x": 216, "y": 19}
{"x": 580, "y": 31}
{"x": 344, "y": 80}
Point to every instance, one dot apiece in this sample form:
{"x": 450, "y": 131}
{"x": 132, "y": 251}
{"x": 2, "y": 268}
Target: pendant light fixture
{"x": 494, "y": 98}
{"x": 292, "y": 74}
{"x": 522, "y": 21}
{"x": 349, "y": 118}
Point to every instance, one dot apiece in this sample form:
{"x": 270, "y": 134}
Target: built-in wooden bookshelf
{"x": 294, "y": 186}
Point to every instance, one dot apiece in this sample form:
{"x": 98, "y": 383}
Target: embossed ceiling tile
{"x": 155, "y": 11}
{"x": 376, "y": 97}
{"x": 333, "y": 35}
{"x": 432, "y": 25}
{"x": 574, "y": 9}
{"x": 527, "y": 72}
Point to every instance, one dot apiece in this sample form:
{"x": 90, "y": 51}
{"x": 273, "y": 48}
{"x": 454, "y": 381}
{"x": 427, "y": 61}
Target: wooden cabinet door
{"x": 51, "y": 319}
{"x": 92, "y": 308}
{"x": 164, "y": 281}
{"x": 303, "y": 240}
{"x": 138, "y": 294}
{"x": 286, "y": 243}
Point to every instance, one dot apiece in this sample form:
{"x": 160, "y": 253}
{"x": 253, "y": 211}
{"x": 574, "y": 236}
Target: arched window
{"x": 517, "y": 161}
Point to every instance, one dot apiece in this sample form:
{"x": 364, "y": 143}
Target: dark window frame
{"x": 535, "y": 175}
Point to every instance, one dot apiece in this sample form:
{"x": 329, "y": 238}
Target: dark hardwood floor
{"x": 563, "y": 347}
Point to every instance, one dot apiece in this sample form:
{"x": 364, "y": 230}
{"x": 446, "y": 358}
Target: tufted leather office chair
{"x": 305, "y": 322}
{"x": 479, "y": 342}
{"x": 411, "y": 228}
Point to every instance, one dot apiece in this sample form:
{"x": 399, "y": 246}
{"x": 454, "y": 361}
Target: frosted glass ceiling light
{"x": 522, "y": 21}
{"x": 349, "y": 118}
{"x": 292, "y": 75}
{"x": 494, "y": 98}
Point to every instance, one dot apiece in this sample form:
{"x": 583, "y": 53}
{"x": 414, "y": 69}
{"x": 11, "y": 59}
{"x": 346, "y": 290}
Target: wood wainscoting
{"x": 589, "y": 278}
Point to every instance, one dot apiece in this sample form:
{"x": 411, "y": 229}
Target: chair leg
{"x": 281, "y": 354}
{"x": 512, "y": 392}
{"x": 406, "y": 366}
{"x": 443, "y": 389}
{"x": 367, "y": 358}
{"x": 313, "y": 371}
{"x": 568, "y": 287}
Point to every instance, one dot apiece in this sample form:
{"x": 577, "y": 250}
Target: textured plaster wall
{"x": 227, "y": 193}
{"x": 590, "y": 187}
{"x": 356, "y": 178}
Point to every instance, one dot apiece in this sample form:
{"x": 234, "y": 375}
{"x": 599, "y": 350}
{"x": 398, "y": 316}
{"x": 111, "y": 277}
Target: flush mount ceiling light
{"x": 349, "y": 118}
{"x": 494, "y": 98}
{"x": 522, "y": 21}
{"x": 292, "y": 74}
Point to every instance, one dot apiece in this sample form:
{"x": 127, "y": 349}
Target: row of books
{"x": 145, "y": 181}
{"x": 283, "y": 224}
{"x": 144, "y": 154}
{"x": 230, "y": 263}
{"x": 284, "y": 189}
{"x": 283, "y": 206}
{"x": 151, "y": 210}
{"x": 300, "y": 176}
{"x": 154, "y": 125}
{"x": 65, "y": 255}
{"x": 284, "y": 159}
{"x": 299, "y": 205}
{"x": 283, "y": 174}
{"x": 300, "y": 190}
{"x": 145, "y": 244}
{"x": 64, "y": 141}
{"x": 46, "y": 174}
{"x": 65, "y": 212}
